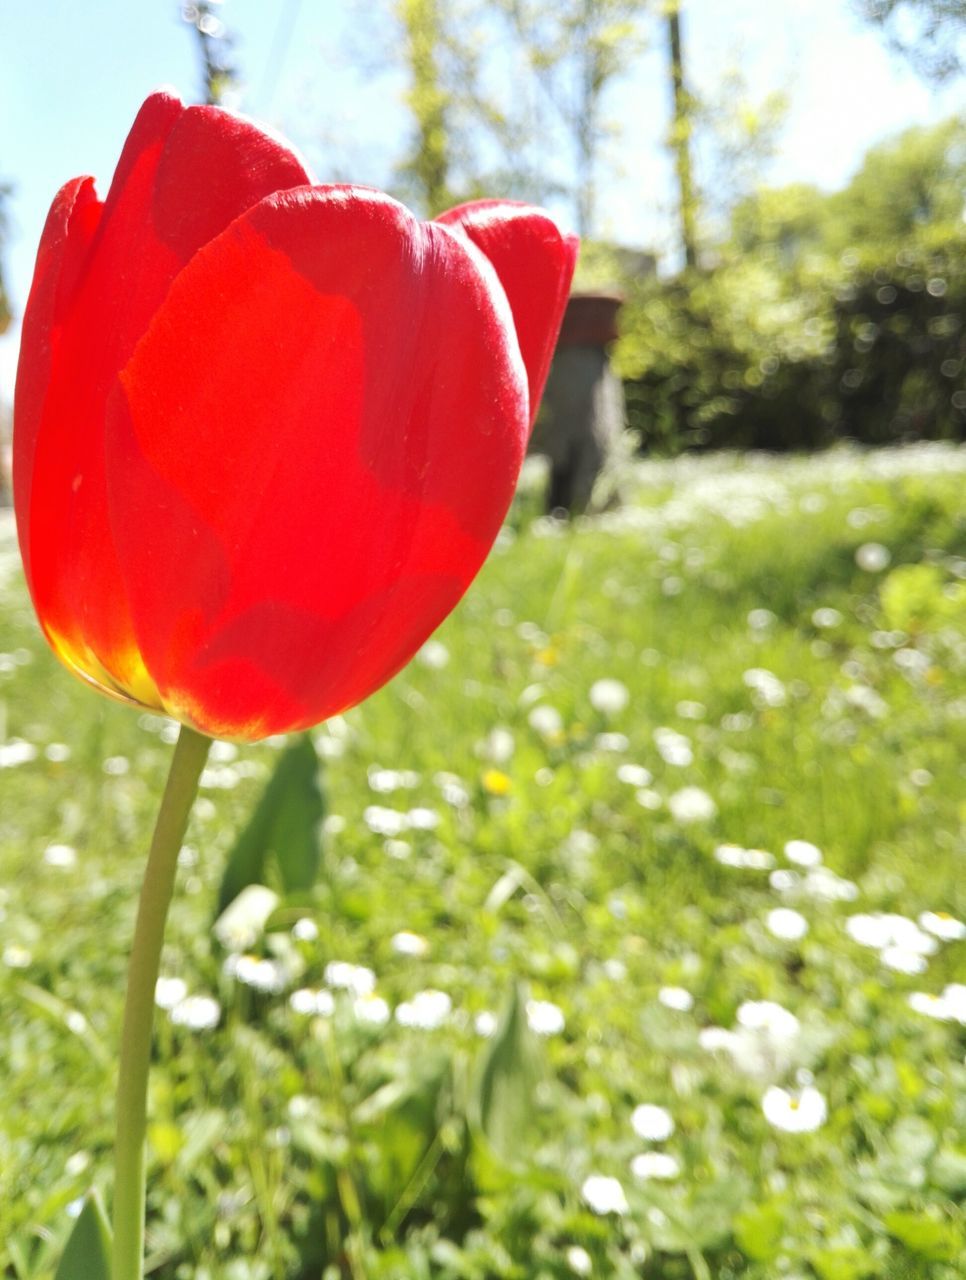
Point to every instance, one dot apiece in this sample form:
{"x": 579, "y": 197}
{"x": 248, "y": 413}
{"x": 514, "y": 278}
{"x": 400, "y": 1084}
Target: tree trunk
{"x": 681, "y": 139}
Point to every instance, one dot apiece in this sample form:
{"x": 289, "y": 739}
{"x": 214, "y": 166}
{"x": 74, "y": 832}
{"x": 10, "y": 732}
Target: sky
{"x": 72, "y": 76}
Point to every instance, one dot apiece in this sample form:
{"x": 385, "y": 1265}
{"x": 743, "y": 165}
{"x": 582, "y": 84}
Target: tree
{"x": 215, "y": 47}
{"x": 6, "y": 314}
{"x": 930, "y": 33}
{"x": 576, "y": 49}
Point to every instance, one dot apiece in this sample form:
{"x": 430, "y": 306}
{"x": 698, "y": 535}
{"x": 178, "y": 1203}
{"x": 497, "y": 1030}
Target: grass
{"x": 484, "y": 803}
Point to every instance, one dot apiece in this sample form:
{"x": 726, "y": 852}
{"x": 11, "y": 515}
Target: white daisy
{"x": 604, "y": 1194}
{"x": 652, "y": 1123}
{"x": 655, "y": 1164}
{"x": 801, "y": 1111}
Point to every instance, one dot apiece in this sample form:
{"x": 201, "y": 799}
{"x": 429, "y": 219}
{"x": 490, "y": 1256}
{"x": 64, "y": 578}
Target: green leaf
{"x": 759, "y": 1231}
{"x": 929, "y": 1237}
{"x": 286, "y": 823}
{"x": 846, "y": 1262}
{"x": 508, "y": 1077}
{"x": 88, "y": 1252}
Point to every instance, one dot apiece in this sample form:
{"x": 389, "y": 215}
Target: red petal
{"x": 535, "y": 263}
{"x": 183, "y": 176}
{"x": 315, "y": 445}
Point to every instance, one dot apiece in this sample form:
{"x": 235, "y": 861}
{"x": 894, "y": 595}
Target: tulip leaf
{"x": 88, "y": 1252}
{"x": 508, "y": 1077}
{"x": 286, "y": 823}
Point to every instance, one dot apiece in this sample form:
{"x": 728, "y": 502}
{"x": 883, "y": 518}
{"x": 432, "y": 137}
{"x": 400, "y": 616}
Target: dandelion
{"x": 659, "y": 1165}
{"x": 692, "y": 804}
{"x": 652, "y": 1123}
{"x": 496, "y": 782}
{"x": 485, "y": 1023}
{"x": 545, "y": 1018}
{"x": 761, "y": 619}
{"x": 616, "y": 742}
{"x": 609, "y": 696}
{"x": 385, "y": 781}
{"x": 57, "y": 752}
{"x": 786, "y": 924}
{"x": 801, "y": 1111}
{"x": 604, "y": 1194}
{"x": 734, "y": 855}
{"x": 16, "y": 956}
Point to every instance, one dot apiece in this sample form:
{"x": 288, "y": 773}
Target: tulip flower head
{"x": 266, "y": 431}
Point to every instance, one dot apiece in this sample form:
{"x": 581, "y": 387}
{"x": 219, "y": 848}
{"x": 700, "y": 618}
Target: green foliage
{"x": 313, "y": 1126}
{"x": 930, "y": 33}
{"x": 87, "y": 1255}
{"x": 286, "y": 823}
{"x": 825, "y": 316}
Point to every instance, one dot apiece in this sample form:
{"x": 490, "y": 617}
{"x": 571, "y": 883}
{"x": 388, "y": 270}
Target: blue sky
{"x": 72, "y": 76}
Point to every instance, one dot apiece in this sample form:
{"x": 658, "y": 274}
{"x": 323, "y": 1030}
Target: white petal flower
{"x": 903, "y": 960}
{"x": 678, "y": 998}
{"x": 547, "y": 721}
{"x": 801, "y": 1111}
{"x": 768, "y": 1016}
{"x": 943, "y": 926}
{"x": 545, "y": 1018}
{"x": 931, "y": 1005}
{"x": 604, "y": 1194}
{"x": 691, "y": 804}
{"x": 655, "y": 1164}
{"x": 406, "y": 943}
{"x": 169, "y": 991}
{"x": 609, "y": 696}
{"x": 485, "y": 1023}
{"x": 434, "y": 655}
{"x": 872, "y": 557}
{"x": 652, "y": 1123}
{"x": 673, "y": 747}
{"x": 635, "y": 775}
{"x": 579, "y": 1260}
{"x": 787, "y": 924}
{"x": 803, "y": 852}
{"x": 426, "y": 1011}
{"x": 371, "y": 1009}
{"x": 63, "y": 856}
{"x": 199, "y": 1013}
{"x": 357, "y": 978}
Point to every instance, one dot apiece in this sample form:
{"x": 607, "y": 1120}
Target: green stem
{"x": 132, "y": 1085}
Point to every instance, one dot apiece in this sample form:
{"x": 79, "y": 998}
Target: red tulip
{"x": 265, "y": 431}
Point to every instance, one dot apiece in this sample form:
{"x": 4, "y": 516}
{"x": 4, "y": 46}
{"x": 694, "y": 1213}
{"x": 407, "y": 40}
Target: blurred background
{"x": 623, "y": 934}
{"x": 793, "y": 160}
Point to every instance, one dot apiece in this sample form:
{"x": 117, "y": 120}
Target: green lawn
{"x": 784, "y": 646}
